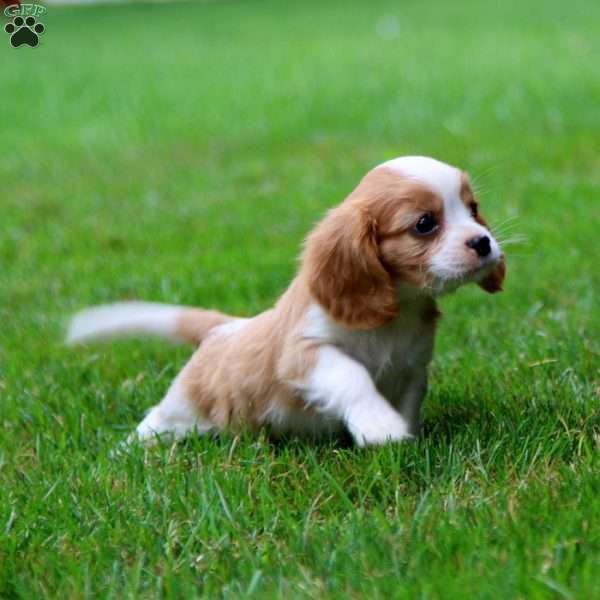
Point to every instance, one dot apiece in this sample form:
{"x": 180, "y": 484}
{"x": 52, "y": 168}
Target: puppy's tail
{"x": 177, "y": 323}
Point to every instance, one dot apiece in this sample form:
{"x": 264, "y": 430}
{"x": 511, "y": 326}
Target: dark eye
{"x": 474, "y": 210}
{"x": 426, "y": 224}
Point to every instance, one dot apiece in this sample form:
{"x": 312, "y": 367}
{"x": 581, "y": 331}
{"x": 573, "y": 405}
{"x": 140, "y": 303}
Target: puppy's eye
{"x": 426, "y": 224}
{"x": 474, "y": 210}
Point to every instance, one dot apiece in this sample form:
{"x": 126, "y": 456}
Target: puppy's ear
{"x": 344, "y": 272}
{"x": 492, "y": 283}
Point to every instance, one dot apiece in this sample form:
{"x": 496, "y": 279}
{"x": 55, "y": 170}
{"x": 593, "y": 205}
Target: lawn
{"x": 180, "y": 153}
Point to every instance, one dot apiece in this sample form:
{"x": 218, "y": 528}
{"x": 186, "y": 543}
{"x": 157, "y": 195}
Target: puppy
{"x": 349, "y": 342}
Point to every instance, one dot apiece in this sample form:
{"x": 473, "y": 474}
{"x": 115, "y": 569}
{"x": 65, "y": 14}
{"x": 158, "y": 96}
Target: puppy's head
{"x": 412, "y": 224}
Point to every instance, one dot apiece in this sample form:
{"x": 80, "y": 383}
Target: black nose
{"x": 481, "y": 245}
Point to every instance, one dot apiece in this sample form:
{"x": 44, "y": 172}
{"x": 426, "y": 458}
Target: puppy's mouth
{"x": 484, "y": 268}
{"x": 464, "y": 274}
{"x": 481, "y": 270}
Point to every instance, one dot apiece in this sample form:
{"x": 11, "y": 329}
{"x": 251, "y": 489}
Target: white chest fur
{"x": 403, "y": 345}
{"x": 351, "y": 367}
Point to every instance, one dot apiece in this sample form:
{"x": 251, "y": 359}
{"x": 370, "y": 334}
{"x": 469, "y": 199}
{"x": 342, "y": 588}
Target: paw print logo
{"x": 24, "y": 31}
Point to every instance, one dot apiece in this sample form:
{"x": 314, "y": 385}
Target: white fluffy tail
{"x": 177, "y": 323}
{"x": 125, "y": 319}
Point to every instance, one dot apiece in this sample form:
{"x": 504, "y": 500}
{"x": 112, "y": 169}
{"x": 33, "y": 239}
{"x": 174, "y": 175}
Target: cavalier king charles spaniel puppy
{"x": 349, "y": 342}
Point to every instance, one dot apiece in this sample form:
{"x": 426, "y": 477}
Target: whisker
{"x": 479, "y": 188}
{"x": 505, "y": 226}
{"x": 486, "y": 171}
{"x": 506, "y": 233}
{"x": 508, "y": 221}
{"x": 507, "y": 229}
{"x": 520, "y": 254}
{"x": 517, "y": 239}
{"x": 511, "y": 235}
{"x": 476, "y": 180}
{"x": 504, "y": 230}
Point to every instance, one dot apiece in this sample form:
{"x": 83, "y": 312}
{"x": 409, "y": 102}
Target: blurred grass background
{"x": 180, "y": 153}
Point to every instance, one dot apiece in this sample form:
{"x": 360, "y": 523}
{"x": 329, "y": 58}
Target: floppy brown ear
{"x": 492, "y": 283}
{"x": 344, "y": 273}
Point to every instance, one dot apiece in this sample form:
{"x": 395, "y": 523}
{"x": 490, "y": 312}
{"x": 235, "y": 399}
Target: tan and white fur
{"x": 349, "y": 342}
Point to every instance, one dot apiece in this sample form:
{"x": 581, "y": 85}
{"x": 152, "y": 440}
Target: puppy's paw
{"x": 379, "y": 427}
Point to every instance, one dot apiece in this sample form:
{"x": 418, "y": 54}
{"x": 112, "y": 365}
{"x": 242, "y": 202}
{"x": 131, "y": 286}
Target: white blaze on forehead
{"x": 443, "y": 179}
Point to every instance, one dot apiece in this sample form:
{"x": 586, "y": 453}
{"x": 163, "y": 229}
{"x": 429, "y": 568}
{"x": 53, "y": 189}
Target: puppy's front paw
{"x": 379, "y": 427}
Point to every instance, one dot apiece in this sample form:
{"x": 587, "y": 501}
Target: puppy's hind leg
{"x": 174, "y": 417}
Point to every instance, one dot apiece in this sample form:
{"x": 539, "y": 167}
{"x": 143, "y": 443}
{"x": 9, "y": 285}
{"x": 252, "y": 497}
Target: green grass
{"x": 180, "y": 153}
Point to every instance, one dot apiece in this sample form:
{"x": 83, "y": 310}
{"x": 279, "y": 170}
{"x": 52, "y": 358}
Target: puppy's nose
{"x": 481, "y": 245}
